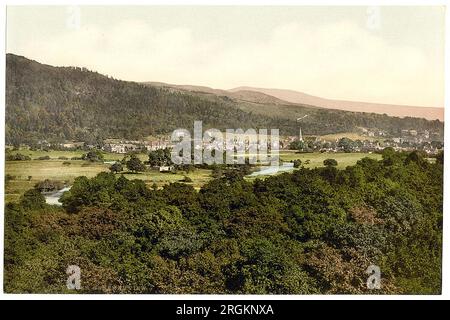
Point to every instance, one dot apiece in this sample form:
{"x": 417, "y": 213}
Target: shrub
{"x": 17, "y": 157}
{"x": 49, "y": 185}
{"x": 330, "y": 163}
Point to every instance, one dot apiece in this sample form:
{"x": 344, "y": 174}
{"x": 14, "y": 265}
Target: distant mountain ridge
{"x": 430, "y": 113}
{"x": 292, "y": 97}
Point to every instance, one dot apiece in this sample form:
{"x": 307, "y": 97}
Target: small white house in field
{"x": 165, "y": 168}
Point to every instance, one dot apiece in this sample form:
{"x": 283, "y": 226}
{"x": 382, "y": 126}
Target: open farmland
{"x": 23, "y": 175}
{"x": 316, "y": 159}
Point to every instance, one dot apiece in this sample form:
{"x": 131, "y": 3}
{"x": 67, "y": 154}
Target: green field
{"x": 316, "y": 159}
{"x": 40, "y": 170}
{"x": 25, "y": 174}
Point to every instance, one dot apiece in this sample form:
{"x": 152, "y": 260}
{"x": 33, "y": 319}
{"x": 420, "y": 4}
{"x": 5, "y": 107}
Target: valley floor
{"x": 23, "y": 175}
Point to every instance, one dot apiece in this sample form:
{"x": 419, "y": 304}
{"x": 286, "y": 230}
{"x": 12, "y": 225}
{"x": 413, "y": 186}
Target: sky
{"x": 389, "y": 55}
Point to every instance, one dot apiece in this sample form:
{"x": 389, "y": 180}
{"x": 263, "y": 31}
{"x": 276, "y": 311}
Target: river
{"x": 286, "y": 166}
{"x": 53, "y": 197}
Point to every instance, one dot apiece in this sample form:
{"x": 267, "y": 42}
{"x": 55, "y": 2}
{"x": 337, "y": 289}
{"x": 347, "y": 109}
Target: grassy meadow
{"x": 25, "y": 174}
{"x": 316, "y": 159}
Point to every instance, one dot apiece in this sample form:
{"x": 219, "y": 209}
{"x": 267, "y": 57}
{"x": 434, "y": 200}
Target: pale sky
{"x": 382, "y": 54}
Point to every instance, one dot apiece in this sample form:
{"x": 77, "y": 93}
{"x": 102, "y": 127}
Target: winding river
{"x": 286, "y": 166}
{"x": 53, "y": 197}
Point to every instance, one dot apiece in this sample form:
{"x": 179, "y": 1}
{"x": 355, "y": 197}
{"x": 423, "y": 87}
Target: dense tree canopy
{"x": 310, "y": 231}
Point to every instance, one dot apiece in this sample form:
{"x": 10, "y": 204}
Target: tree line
{"x": 310, "y": 231}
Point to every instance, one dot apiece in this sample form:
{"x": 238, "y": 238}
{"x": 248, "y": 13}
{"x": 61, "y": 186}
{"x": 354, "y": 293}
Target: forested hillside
{"x": 72, "y": 103}
{"x": 44, "y": 102}
{"x": 312, "y": 231}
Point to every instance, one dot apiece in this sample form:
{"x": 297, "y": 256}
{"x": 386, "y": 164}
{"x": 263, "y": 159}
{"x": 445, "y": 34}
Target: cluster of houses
{"x": 245, "y": 144}
{"x": 408, "y": 140}
{"x": 126, "y": 146}
{"x": 371, "y": 140}
{"x": 374, "y": 146}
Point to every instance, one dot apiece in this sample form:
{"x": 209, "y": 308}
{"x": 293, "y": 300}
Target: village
{"x": 365, "y": 141}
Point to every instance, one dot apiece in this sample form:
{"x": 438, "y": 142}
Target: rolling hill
{"x": 73, "y": 103}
